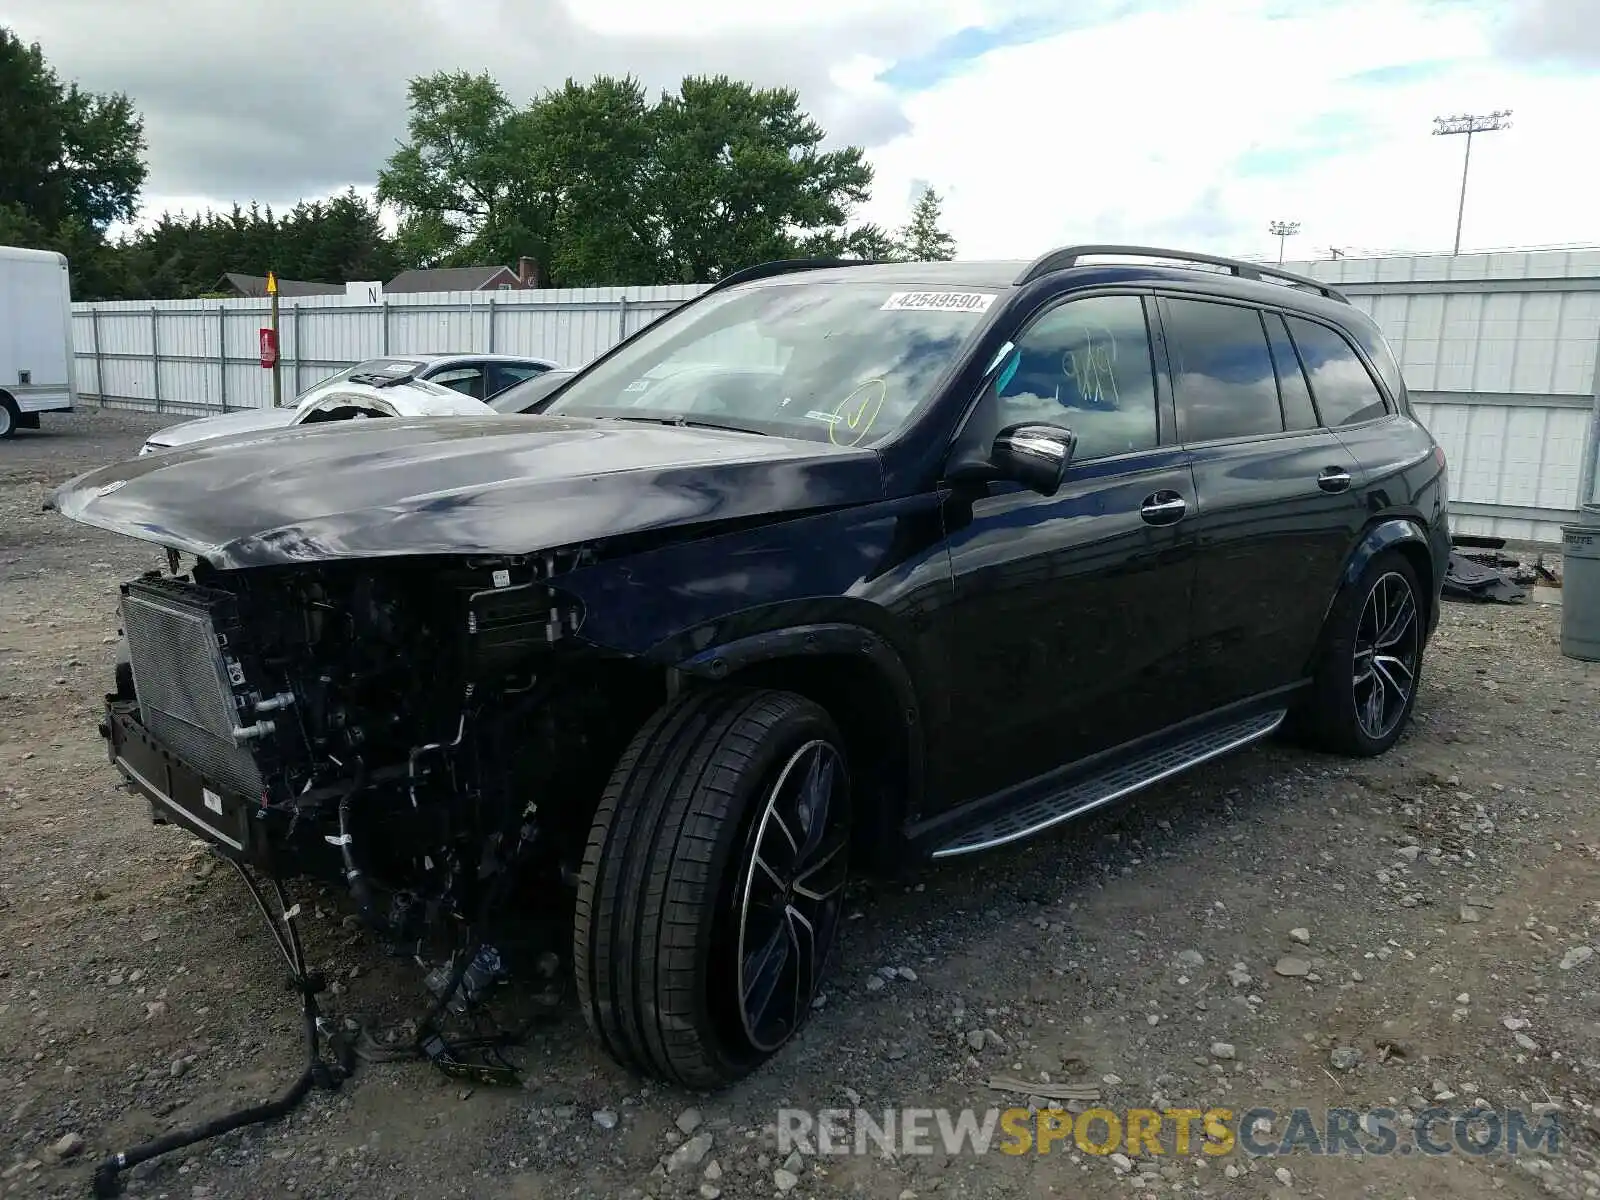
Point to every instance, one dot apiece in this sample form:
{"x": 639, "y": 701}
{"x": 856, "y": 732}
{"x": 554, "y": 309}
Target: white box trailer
{"x": 37, "y": 371}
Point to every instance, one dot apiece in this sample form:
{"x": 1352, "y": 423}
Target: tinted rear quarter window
{"x": 1377, "y": 348}
{"x": 1343, "y": 389}
{"x": 1222, "y": 376}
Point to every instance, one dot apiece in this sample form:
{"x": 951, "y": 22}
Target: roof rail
{"x": 783, "y": 266}
{"x": 1068, "y": 256}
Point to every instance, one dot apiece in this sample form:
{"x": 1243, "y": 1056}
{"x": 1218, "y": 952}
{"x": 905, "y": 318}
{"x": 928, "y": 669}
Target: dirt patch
{"x": 1431, "y": 899}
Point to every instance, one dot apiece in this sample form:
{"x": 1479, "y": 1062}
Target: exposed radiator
{"x": 181, "y": 678}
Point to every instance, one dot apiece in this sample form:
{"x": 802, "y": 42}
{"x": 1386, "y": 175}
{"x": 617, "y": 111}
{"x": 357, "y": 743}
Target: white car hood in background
{"x": 248, "y": 420}
{"x": 406, "y": 399}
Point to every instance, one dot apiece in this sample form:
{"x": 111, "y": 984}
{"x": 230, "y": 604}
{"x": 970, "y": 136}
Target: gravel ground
{"x": 1279, "y": 929}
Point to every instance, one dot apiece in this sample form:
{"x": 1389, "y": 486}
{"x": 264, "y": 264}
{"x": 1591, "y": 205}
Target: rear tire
{"x": 1371, "y": 662}
{"x": 712, "y": 885}
{"x": 10, "y": 418}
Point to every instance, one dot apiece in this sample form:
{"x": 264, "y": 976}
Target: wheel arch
{"x": 862, "y": 681}
{"x": 1403, "y": 534}
{"x": 1391, "y": 533}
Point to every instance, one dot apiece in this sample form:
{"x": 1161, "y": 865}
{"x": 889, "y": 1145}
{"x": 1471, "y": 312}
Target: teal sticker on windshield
{"x": 1005, "y": 376}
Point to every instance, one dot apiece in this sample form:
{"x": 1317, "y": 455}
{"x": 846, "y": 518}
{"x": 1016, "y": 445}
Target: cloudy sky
{"x": 1042, "y": 121}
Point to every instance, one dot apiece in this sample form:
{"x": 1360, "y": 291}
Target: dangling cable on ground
{"x": 107, "y": 1175}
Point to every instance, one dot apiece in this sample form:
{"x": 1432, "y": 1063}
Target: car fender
{"x": 835, "y": 638}
{"x": 1377, "y": 537}
{"x": 718, "y": 662}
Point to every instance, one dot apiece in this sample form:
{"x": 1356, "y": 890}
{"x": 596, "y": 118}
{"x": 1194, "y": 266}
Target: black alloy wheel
{"x": 1387, "y": 647}
{"x": 790, "y": 894}
{"x": 1369, "y": 665}
{"x": 710, "y": 897}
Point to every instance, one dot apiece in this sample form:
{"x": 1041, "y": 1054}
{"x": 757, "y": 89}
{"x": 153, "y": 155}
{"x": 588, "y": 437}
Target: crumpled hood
{"x": 455, "y": 485}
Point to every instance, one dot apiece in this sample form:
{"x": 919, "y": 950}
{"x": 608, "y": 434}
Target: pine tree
{"x": 922, "y": 240}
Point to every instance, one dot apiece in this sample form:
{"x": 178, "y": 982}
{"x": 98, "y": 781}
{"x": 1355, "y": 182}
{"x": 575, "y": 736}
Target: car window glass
{"x": 504, "y": 375}
{"x": 521, "y": 397}
{"x": 1222, "y": 376}
{"x": 1085, "y": 366}
{"x": 848, "y": 361}
{"x": 1343, "y": 389}
{"x": 1298, "y": 411}
{"x": 1382, "y": 356}
{"x": 466, "y": 380}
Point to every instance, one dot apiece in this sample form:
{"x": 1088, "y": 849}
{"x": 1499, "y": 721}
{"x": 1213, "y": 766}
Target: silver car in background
{"x": 478, "y": 376}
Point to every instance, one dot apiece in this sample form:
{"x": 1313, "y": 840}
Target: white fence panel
{"x": 197, "y": 356}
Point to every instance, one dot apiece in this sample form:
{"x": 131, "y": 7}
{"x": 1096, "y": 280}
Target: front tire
{"x": 712, "y": 885}
{"x": 1371, "y": 663}
{"x": 10, "y": 418}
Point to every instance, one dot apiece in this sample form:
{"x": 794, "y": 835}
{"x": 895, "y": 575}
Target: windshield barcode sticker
{"x": 971, "y": 302}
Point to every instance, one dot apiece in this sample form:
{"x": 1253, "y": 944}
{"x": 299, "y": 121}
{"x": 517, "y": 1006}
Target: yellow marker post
{"x": 277, "y": 377}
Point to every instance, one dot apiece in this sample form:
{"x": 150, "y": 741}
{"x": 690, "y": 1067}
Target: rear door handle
{"x": 1334, "y": 479}
{"x": 1163, "y": 508}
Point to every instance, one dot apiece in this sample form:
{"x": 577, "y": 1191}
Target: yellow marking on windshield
{"x": 857, "y": 420}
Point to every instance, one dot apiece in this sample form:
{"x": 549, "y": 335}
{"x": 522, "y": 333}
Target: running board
{"x": 1112, "y": 784}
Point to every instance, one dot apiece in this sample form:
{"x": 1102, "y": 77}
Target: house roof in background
{"x": 256, "y": 285}
{"x": 452, "y": 279}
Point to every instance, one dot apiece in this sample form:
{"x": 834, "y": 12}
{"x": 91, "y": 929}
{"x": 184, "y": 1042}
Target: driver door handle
{"x": 1334, "y": 479}
{"x": 1163, "y": 508}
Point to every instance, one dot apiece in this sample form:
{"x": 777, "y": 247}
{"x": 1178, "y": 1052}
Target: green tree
{"x": 591, "y": 206}
{"x": 453, "y": 181}
{"x": 600, "y": 186}
{"x": 336, "y": 240}
{"x": 329, "y": 241}
{"x": 741, "y": 178}
{"x": 71, "y": 163}
{"x": 866, "y": 243}
{"x": 922, "y": 239}
{"x": 64, "y": 153}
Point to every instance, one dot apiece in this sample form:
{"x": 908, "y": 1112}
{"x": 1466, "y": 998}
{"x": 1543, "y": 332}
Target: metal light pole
{"x": 1283, "y": 230}
{"x": 1469, "y": 124}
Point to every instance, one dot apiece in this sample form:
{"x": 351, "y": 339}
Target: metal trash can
{"x": 1580, "y": 587}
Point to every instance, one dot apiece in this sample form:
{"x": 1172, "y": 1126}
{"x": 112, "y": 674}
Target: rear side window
{"x": 466, "y": 380}
{"x": 504, "y": 375}
{"x": 1377, "y": 348}
{"x": 1298, "y": 411}
{"x": 1344, "y": 391}
{"x": 1222, "y": 376}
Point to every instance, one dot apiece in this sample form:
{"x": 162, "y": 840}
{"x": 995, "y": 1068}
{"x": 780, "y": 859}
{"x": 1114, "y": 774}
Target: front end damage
{"x": 430, "y": 733}
{"x": 411, "y": 730}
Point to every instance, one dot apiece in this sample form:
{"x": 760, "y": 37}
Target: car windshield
{"x": 521, "y": 396}
{"x": 840, "y": 361}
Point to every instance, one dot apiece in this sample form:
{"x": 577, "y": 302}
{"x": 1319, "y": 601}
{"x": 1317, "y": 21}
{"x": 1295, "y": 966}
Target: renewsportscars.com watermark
{"x": 1259, "y": 1132}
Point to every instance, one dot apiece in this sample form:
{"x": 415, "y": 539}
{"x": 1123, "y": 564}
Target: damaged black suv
{"x": 837, "y": 566}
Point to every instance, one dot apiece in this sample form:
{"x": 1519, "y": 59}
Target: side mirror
{"x": 1034, "y": 455}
